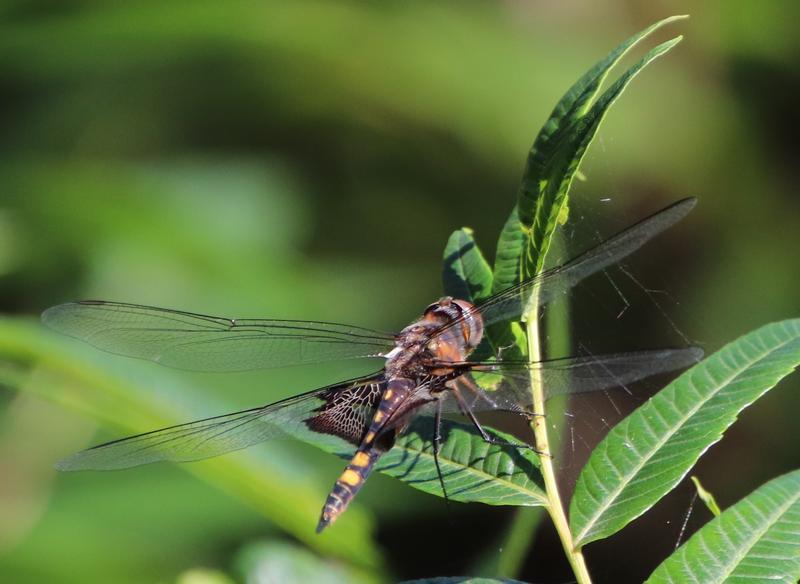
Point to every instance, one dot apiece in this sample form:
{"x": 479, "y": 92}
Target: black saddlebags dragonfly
{"x": 427, "y": 370}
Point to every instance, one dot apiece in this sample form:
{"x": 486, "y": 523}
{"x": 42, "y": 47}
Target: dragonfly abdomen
{"x": 347, "y": 485}
{"x": 370, "y": 449}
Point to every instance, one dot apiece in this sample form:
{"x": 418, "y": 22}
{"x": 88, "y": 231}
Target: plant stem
{"x": 517, "y": 541}
{"x": 539, "y": 426}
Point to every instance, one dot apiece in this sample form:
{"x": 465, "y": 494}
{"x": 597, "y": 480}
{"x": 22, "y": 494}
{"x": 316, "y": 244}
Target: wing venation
{"x": 197, "y": 342}
{"x": 511, "y": 304}
{"x": 505, "y": 385}
{"x": 352, "y": 401}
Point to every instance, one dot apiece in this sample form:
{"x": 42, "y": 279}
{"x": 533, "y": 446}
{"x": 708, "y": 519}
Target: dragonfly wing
{"x": 505, "y": 386}
{"x": 347, "y": 410}
{"x": 340, "y": 411}
{"x": 198, "y": 342}
{"x": 512, "y": 303}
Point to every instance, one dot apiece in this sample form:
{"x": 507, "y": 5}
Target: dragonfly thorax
{"x": 467, "y": 326}
{"x": 448, "y": 331}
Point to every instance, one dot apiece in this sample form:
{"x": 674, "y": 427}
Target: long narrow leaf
{"x": 756, "y": 540}
{"x": 649, "y": 452}
{"x": 552, "y": 200}
{"x": 552, "y": 161}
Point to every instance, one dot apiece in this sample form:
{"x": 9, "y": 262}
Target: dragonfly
{"x": 426, "y": 371}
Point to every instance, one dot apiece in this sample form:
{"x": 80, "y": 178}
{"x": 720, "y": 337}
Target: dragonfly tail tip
{"x": 323, "y": 523}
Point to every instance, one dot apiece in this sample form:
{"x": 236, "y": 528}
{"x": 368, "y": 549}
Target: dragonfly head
{"x": 467, "y": 333}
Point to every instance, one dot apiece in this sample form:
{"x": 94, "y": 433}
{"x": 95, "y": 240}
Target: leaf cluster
{"x": 644, "y": 457}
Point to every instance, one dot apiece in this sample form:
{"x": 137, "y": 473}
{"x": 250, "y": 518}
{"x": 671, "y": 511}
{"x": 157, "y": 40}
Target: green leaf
{"x": 468, "y": 276}
{"x": 549, "y": 204}
{"x": 649, "y": 452}
{"x": 706, "y": 497}
{"x": 510, "y": 244}
{"x": 554, "y": 159}
{"x": 466, "y": 273}
{"x": 473, "y": 470}
{"x": 756, "y": 540}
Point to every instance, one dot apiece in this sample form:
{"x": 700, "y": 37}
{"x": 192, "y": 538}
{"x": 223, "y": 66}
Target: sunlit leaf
{"x": 473, "y": 470}
{"x": 706, "y": 497}
{"x": 554, "y": 158}
{"x": 649, "y": 452}
{"x": 756, "y": 540}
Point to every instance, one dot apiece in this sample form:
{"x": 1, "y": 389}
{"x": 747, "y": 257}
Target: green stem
{"x": 539, "y": 426}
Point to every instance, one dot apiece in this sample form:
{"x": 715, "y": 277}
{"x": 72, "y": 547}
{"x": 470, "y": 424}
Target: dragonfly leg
{"x": 470, "y": 384}
{"x": 527, "y": 414}
{"x": 500, "y": 350}
{"x": 437, "y": 446}
{"x": 485, "y": 435}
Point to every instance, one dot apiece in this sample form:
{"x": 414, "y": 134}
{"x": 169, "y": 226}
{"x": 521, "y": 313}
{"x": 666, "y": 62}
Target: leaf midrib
{"x": 627, "y": 476}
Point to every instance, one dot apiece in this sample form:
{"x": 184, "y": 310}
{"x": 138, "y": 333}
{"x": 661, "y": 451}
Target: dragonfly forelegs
{"x": 437, "y": 446}
{"x": 469, "y": 383}
{"x": 467, "y": 410}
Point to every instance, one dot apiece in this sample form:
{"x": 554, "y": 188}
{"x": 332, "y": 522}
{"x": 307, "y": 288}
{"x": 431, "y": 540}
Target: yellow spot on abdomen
{"x": 350, "y": 477}
{"x": 369, "y": 437}
{"x": 361, "y": 459}
{"x": 388, "y": 394}
{"x": 378, "y": 416}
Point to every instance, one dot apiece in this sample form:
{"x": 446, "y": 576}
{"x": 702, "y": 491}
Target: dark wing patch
{"x": 348, "y": 410}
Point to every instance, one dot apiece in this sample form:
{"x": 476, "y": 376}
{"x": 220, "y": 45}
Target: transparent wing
{"x": 341, "y": 411}
{"x": 511, "y": 304}
{"x": 503, "y": 385}
{"x": 210, "y": 343}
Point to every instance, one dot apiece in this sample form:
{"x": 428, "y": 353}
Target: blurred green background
{"x": 309, "y": 160}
